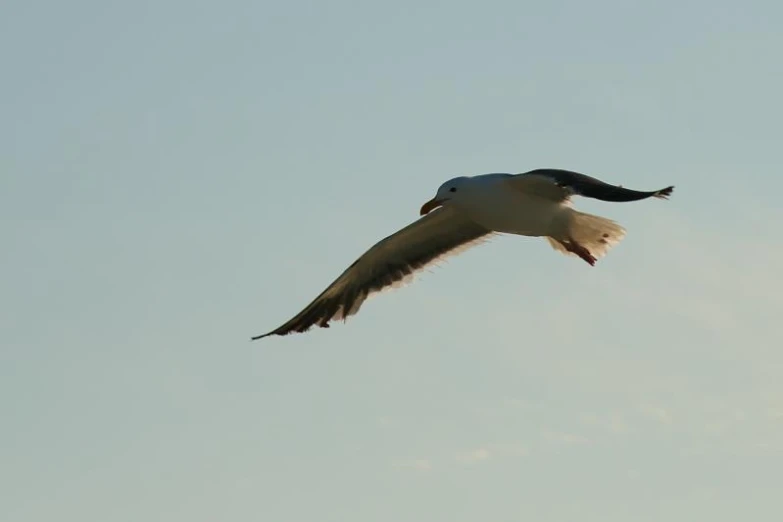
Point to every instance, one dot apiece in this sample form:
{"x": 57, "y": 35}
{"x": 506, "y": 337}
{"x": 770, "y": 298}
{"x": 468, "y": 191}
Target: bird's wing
{"x": 389, "y": 263}
{"x": 560, "y": 185}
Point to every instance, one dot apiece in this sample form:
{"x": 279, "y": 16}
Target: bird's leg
{"x": 575, "y": 248}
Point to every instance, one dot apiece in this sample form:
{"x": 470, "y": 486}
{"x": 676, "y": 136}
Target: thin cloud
{"x": 618, "y": 426}
{"x": 614, "y": 423}
{"x": 413, "y": 464}
{"x": 510, "y": 449}
{"x": 775, "y": 413}
{"x": 569, "y": 439}
{"x": 493, "y": 450}
{"x": 589, "y": 418}
{"x": 476, "y": 455}
{"x": 509, "y": 405}
{"x": 658, "y": 413}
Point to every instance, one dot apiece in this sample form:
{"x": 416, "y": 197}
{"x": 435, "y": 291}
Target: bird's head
{"x": 451, "y": 190}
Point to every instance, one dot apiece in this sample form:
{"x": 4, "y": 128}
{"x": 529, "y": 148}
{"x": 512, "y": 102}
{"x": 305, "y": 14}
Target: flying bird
{"x": 465, "y": 212}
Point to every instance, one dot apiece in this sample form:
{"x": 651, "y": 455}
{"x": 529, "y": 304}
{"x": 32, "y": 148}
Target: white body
{"x": 489, "y": 202}
{"x": 502, "y": 204}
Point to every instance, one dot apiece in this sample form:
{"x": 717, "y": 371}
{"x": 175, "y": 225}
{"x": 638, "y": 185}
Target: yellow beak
{"x": 430, "y": 206}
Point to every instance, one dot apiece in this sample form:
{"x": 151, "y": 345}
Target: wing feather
{"x": 560, "y": 185}
{"x": 390, "y": 262}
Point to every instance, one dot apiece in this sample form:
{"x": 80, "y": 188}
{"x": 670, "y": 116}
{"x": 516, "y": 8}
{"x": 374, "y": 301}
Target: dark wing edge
{"x": 589, "y": 187}
{"x": 387, "y": 264}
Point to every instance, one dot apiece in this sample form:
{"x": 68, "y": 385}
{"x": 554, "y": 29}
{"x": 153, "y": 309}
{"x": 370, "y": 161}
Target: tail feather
{"x": 597, "y": 234}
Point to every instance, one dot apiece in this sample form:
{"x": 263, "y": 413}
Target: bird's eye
{"x": 453, "y": 189}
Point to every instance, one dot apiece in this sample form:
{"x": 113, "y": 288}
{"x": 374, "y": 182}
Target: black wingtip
{"x": 665, "y": 193}
{"x": 257, "y": 337}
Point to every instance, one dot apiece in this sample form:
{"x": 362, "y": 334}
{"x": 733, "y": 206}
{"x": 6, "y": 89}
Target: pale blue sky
{"x": 177, "y": 176}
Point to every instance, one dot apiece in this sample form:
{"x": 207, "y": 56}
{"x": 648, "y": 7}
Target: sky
{"x": 177, "y": 176}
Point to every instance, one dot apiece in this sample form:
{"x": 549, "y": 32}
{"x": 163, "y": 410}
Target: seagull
{"x": 465, "y": 212}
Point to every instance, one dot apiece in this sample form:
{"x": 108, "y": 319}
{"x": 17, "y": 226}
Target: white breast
{"x": 500, "y": 208}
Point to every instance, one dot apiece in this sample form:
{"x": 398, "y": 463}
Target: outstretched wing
{"x": 389, "y": 263}
{"x": 560, "y": 185}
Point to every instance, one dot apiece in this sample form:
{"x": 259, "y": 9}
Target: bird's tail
{"x": 597, "y": 234}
